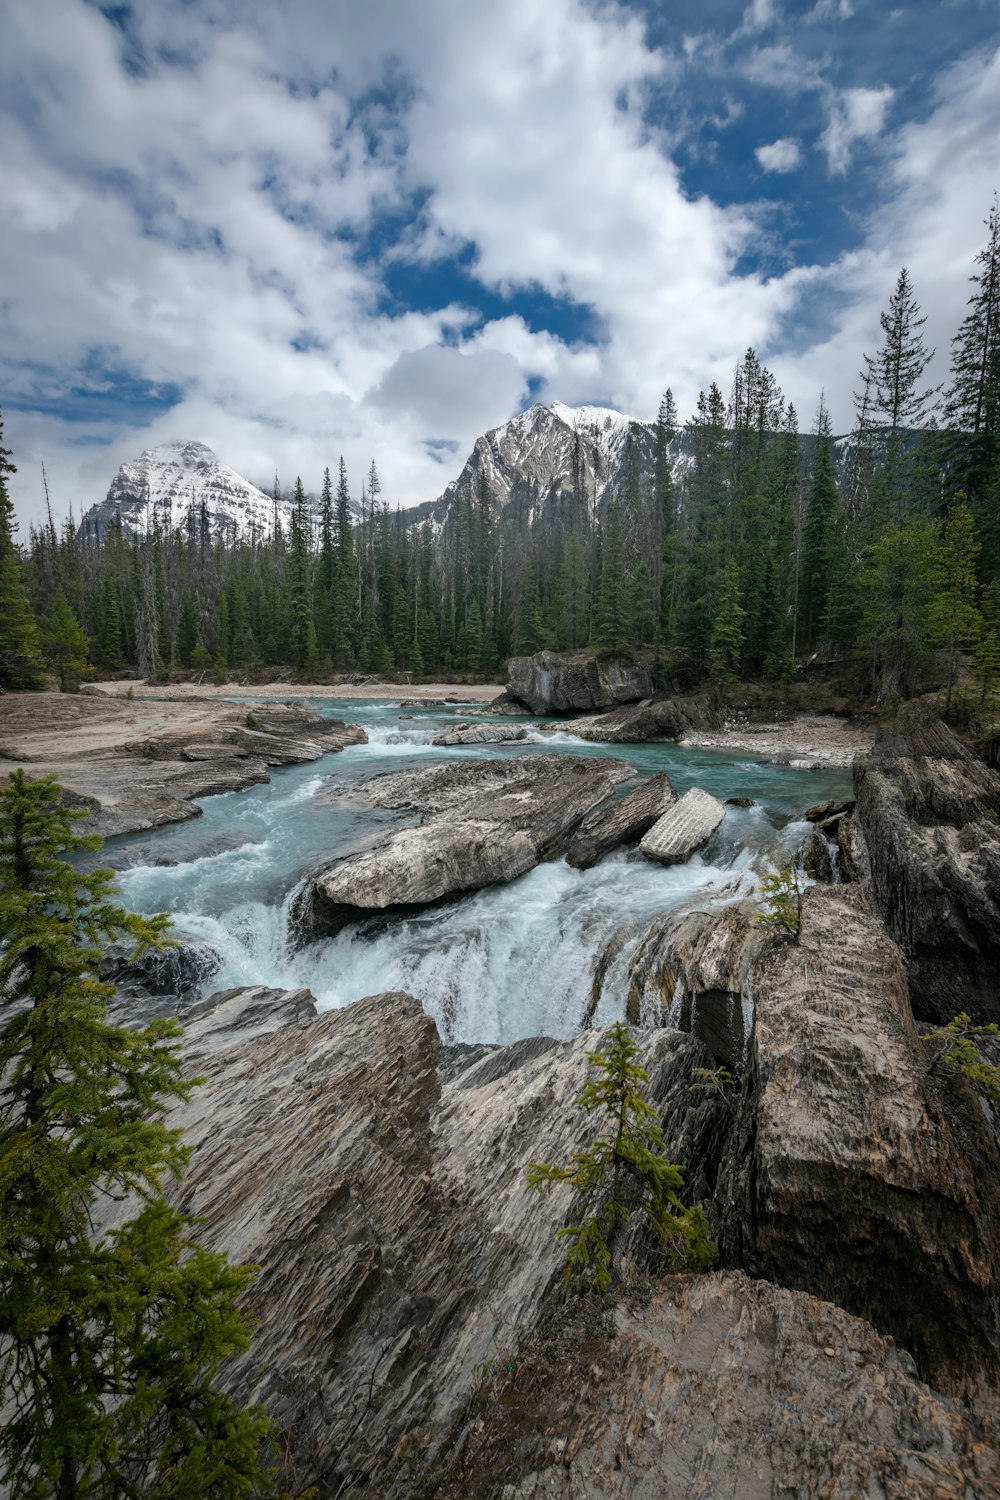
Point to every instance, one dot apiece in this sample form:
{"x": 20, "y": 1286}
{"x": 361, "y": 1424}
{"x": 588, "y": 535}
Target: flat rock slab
{"x": 620, "y": 822}
{"x": 480, "y": 734}
{"x": 684, "y": 827}
{"x": 481, "y": 823}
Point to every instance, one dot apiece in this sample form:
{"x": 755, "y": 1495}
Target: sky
{"x": 297, "y": 230}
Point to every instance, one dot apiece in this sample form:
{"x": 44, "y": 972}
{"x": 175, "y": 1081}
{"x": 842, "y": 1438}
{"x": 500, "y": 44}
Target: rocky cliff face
{"x": 557, "y": 452}
{"x": 928, "y": 810}
{"x": 856, "y": 1174}
{"x": 410, "y": 1336}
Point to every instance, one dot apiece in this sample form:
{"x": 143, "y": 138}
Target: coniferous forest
{"x": 880, "y": 550}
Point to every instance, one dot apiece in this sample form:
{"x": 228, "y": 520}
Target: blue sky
{"x": 306, "y": 228}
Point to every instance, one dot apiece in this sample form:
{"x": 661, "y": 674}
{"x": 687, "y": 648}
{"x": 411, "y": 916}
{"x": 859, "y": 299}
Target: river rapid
{"x": 504, "y": 963}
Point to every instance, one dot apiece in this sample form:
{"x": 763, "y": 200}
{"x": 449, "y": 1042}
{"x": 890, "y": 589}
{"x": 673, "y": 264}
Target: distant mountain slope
{"x": 549, "y": 452}
{"x": 173, "y": 481}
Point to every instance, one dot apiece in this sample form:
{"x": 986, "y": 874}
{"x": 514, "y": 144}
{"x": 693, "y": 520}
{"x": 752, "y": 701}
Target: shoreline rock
{"x": 623, "y": 821}
{"x": 683, "y": 828}
{"x": 566, "y": 682}
{"x": 484, "y": 823}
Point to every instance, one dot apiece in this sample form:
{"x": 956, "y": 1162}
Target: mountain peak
{"x": 176, "y": 481}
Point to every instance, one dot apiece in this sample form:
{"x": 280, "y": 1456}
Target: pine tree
{"x": 953, "y": 619}
{"x": 817, "y": 536}
{"x": 612, "y": 607}
{"x": 20, "y": 647}
{"x": 727, "y": 634}
{"x": 110, "y": 1341}
{"x": 895, "y": 374}
{"x": 624, "y": 1172}
{"x": 972, "y": 406}
{"x": 65, "y": 643}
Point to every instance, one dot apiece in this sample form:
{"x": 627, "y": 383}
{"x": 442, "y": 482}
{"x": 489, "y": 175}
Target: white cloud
{"x": 197, "y": 222}
{"x": 855, "y": 115}
{"x": 780, "y": 156}
{"x": 759, "y": 15}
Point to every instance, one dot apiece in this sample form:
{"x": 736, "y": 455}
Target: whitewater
{"x": 503, "y": 963}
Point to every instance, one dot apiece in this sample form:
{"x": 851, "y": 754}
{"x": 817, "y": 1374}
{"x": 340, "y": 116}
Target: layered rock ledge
{"x": 556, "y": 682}
{"x": 481, "y": 823}
{"x": 683, "y": 828}
{"x": 137, "y": 765}
{"x": 929, "y": 812}
{"x": 402, "y": 1256}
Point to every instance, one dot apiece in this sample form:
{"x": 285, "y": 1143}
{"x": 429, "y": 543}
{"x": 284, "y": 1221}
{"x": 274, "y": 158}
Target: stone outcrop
{"x": 405, "y": 1267}
{"x": 397, "y": 1239}
{"x": 694, "y": 970}
{"x": 683, "y": 828}
{"x": 659, "y": 719}
{"x": 724, "y": 1386}
{"x": 622, "y": 821}
{"x": 856, "y": 1173}
{"x": 818, "y": 857}
{"x": 553, "y": 682}
{"x": 139, "y": 765}
{"x": 483, "y": 823}
{"x": 480, "y": 734}
{"x": 929, "y": 811}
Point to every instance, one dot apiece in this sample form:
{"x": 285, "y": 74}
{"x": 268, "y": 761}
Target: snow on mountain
{"x": 174, "y": 481}
{"x": 548, "y": 452}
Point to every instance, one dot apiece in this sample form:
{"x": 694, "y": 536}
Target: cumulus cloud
{"x": 855, "y": 115}
{"x": 227, "y": 202}
{"x": 780, "y": 156}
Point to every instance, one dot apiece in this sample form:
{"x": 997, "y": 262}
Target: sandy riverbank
{"x": 391, "y": 692}
{"x": 808, "y": 740}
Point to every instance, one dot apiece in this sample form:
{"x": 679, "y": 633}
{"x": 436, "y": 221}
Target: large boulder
{"x": 553, "y": 682}
{"x": 659, "y": 719}
{"x": 857, "y": 1173}
{"x": 683, "y": 828}
{"x": 480, "y": 734}
{"x": 929, "y": 811}
{"x": 623, "y": 821}
{"x": 483, "y": 823}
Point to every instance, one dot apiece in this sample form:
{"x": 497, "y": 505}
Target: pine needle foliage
{"x": 782, "y": 893}
{"x": 624, "y": 1172}
{"x": 958, "y": 1043}
{"x": 108, "y": 1341}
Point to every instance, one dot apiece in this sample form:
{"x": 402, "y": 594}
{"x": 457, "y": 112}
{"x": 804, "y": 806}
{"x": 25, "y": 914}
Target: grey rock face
{"x": 684, "y": 827}
{"x": 817, "y": 859}
{"x": 662, "y": 719}
{"x": 725, "y": 1386}
{"x": 398, "y": 1241}
{"x": 484, "y": 823}
{"x": 552, "y": 682}
{"x": 929, "y": 811}
{"x": 480, "y": 734}
{"x": 857, "y": 1174}
{"x": 401, "y": 1253}
{"x": 620, "y": 822}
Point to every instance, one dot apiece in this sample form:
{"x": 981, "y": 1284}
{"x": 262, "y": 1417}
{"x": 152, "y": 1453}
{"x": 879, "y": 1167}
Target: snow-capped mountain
{"x": 549, "y": 452}
{"x": 174, "y": 481}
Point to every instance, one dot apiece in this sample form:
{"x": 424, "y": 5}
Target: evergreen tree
{"x": 727, "y": 634}
{"x": 109, "y": 1340}
{"x": 953, "y": 619}
{"x": 612, "y": 630}
{"x": 895, "y": 374}
{"x": 65, "y": 643}
{"x": 896, "y": 584}
{"x": 20, "y": 647}
{"x": 817, "y": 536}
{"x": 972, "y": 406}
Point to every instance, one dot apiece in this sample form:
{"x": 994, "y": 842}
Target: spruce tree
{"x": 20, "y": 647}
{"x": 895, "y": 374}
{"x": 109, "y": 1342}
{"x": 953, "y": 619}
{"x": 65, "y": 643}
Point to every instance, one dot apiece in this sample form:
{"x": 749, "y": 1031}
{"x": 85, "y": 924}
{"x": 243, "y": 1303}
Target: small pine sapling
{"x": 624, "y": 1172}
{"x": 957, "y": 1044}
{"x": 782, "y": 892}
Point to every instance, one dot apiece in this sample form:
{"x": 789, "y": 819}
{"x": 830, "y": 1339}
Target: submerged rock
{"x": 552, "y": 682}
{"x": 857, "y": 1174}
{"x": 684, "y": 827}
{"x": 929, "y": 811}
{"x": 620, "y": 822}
{"x": 480, "y": 734}
{"x": 484, "y": 823}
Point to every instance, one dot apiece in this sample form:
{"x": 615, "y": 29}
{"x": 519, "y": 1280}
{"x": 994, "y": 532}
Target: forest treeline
{"x": 885, "y": 553}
